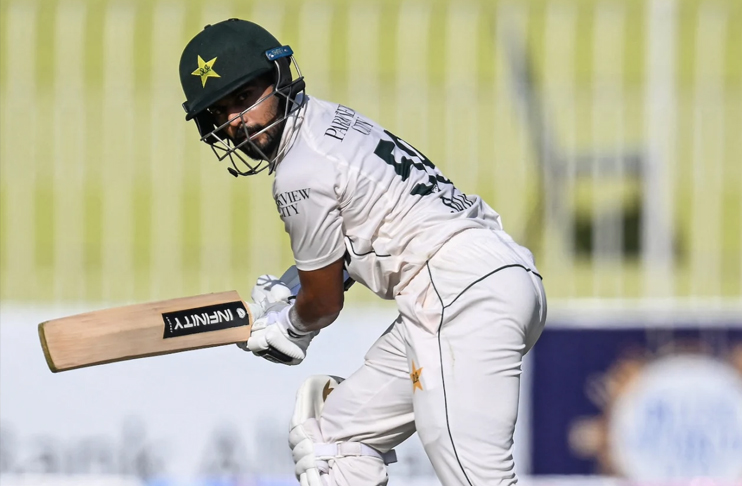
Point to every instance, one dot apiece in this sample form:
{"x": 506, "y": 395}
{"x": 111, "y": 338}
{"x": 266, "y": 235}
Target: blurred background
{"x": 607, "y": 133}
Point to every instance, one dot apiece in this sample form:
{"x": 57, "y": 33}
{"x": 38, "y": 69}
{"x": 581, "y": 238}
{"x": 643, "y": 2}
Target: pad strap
{"x": 342, "y": 449}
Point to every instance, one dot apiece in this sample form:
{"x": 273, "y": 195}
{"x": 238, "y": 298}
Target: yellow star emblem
{"x": 415, "y": 376}
{"x": 205, "y": 70}
{"x": 326, "y": 391}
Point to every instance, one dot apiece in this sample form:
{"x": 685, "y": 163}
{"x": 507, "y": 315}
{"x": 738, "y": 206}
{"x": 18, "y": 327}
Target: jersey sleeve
{"x": 306, "y": 196}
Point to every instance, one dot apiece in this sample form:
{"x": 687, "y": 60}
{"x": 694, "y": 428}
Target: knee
{"x": 356, "y": 471}
{"x": 320, "y": 463}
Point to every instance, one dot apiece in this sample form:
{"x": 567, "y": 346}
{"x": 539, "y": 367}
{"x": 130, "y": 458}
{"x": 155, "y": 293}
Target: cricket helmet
{"x": 220, "y": 60}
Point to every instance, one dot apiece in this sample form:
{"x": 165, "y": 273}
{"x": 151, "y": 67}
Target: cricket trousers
{"x": 448, "y": 367}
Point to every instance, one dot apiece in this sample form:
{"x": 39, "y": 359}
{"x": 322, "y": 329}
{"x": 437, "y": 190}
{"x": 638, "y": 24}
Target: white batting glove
{"x": 269, "y": 290}
{"x": 276, "y": 339}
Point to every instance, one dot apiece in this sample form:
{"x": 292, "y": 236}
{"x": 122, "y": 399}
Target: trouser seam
{"x": 514, "y": 265}
{"x": 443, "y": 378}
{"x": 440, "y": 351}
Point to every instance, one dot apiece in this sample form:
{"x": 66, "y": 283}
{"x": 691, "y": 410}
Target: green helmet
{"x": 220, "y": 60}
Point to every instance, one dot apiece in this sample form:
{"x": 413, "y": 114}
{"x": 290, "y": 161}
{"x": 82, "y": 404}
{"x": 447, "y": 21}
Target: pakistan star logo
{"x": 415, "y": 376}
{"x": 326, "y": 391}
{"x": 205, "y": 70}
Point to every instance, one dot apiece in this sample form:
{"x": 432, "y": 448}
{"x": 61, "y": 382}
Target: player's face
{"x": 230, "y": 109}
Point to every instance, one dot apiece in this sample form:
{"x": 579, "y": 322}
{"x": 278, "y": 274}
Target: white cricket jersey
{"x": 348, "y": 187}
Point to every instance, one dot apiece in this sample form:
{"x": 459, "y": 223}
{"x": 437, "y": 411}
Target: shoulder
{"x": 313, "y": 156}
{"x": 305, "y": 169}
{"x": 335, "y": 130}
{"x": 332, "y": 138}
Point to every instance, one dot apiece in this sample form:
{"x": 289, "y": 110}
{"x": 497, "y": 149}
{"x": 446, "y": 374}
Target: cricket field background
{"x": 607, "y": 133}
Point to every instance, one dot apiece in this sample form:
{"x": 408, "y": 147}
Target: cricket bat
{"x": 151, "y": 329}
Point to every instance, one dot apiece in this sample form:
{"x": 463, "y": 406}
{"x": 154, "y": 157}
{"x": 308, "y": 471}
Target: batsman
{"x": 357, "y": 199}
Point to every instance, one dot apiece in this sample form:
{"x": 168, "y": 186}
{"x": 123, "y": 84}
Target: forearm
{"x": 312, "y": 313}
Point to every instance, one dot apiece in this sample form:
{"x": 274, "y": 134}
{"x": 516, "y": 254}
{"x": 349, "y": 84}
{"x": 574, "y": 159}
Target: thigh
{"x": 467, "y": 401}
{"x": 374, "y": 404}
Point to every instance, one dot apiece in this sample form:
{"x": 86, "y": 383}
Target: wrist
{"x": 295, "y": 322}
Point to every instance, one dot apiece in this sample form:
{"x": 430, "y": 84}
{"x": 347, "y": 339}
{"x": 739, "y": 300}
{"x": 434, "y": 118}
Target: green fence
{"x": 608, "y": 134}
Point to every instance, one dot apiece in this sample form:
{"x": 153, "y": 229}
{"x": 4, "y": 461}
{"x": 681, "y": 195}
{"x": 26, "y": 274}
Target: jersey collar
{"x": 291, "y": 129}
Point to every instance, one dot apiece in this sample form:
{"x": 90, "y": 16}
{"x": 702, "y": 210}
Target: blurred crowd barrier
{"x": 58, "y": 480}
{"x": 289, "y": 481}
{"x": 648, "y": 398}
{"x": 606, "y": 133}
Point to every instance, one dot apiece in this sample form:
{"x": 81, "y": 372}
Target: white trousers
{"x": 448, "y": 367}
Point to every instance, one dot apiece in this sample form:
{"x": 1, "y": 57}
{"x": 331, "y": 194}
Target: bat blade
{"x": 151, "y": 329}
{"x": 142, "y": 330}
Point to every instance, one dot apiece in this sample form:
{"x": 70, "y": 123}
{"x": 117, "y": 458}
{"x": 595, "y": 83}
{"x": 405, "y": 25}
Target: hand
{"x": 270, "y": 290}
{"x": 276, "y": 339}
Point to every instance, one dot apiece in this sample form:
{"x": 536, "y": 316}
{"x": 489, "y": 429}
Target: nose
{"x": 237, "y": 118}
{"x": 235, "y": 121}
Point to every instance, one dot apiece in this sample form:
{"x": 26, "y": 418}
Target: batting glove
{"x": 269, "y": 290}
{"x": 276, "y": 339}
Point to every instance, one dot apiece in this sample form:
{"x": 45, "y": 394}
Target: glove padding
{"x": 269, "y": 290}
{"x": 275, "y": 338}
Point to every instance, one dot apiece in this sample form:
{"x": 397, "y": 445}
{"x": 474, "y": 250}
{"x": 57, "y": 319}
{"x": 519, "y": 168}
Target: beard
{"x": 266, "y": 144}
{"x": 262, "y": 147}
